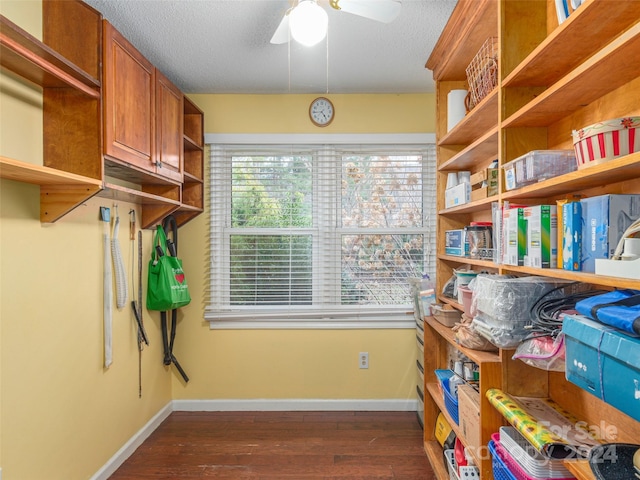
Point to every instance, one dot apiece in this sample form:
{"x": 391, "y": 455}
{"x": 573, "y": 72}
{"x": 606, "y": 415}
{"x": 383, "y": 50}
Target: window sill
{"x": 312, "y": 320}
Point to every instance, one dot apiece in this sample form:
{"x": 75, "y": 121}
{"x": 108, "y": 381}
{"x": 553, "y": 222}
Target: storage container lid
{"x": 609, "y": 341}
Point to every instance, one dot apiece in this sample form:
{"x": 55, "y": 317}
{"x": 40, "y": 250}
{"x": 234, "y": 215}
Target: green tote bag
{"x": 167, "y": 287}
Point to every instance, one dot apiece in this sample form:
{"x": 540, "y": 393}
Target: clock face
{"x": 321, "y": 111}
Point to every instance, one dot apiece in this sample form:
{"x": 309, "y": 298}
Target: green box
{"x": 515, "y": 238}
{"x": 542, "y": 236}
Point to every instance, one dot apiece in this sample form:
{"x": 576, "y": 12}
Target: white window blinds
{"x": 318, "y": 235}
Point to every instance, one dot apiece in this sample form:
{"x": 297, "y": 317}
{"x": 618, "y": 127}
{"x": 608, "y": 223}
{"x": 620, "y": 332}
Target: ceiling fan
{"x": 379, "y": 10}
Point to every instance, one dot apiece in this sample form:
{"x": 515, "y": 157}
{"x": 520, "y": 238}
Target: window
{"x": 319, "y": 236}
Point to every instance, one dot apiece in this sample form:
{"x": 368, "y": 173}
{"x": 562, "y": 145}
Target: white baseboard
{"x": 258, "y": 405}
{"x": 292, "y": 405}
{"x": 134, "y": 442}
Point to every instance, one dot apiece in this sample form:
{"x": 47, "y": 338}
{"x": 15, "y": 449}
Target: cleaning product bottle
{"x": 427, "y": 294}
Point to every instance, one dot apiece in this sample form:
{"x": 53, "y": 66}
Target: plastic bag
{"x": 544, "y": 352}
{"x": 469, "y": 338}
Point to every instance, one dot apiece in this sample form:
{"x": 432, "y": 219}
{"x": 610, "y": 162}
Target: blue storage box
{"x": 450, "y": 401}
{"x": 603, "y": 361}
{"x": 604, "y": 220}
{"x": 454, "y": 242}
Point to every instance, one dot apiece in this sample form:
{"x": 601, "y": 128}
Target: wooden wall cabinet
{"x": 128, "y": 88}
{"x": 135, "y": 153}
{"x": 142, "y": 110}
{"x": 169, "y": 128}
{"x": 552, "y": 79}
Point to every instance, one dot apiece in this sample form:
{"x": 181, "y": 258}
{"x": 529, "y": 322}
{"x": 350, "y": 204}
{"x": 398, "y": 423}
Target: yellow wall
{"x": 62, "y": 415}
{"x": 290, "y": 113}
{"x": 305, "y": 364}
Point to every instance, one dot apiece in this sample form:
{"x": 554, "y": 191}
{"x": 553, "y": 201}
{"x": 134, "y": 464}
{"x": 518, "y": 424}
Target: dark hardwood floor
{"x": 282, "y": 445}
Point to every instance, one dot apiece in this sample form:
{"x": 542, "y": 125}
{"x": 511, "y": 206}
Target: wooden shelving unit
{"x": 62, "y": 187}
{"x": 67, "y": 67}
{"x": 29, "y": 58}
{"x": 193, "y": 184}
{"x": 552, "y": 79}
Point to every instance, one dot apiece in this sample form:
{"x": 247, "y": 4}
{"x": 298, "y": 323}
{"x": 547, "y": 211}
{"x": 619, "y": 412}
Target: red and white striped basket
{"x": 606, "y": 140}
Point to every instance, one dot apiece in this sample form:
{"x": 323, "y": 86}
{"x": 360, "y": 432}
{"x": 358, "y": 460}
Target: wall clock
{"x": 321, "y": 111}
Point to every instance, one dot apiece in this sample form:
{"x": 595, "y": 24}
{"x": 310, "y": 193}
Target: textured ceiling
{"x": 222, "y": 46}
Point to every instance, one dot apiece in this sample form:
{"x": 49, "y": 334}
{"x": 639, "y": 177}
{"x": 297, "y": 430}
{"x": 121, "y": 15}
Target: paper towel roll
{"x": 455, "y": 107}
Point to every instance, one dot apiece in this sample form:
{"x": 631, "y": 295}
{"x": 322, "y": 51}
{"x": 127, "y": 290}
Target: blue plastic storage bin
{"x": 450, "y": 401}
{"x": 500, "y": 469}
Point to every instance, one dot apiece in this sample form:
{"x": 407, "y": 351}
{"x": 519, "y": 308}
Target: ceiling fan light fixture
{"x": 308, "y": 23}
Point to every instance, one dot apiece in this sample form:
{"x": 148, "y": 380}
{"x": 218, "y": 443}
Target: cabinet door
{"x": 169, "y": 128}
{"x": 129, "y": 107}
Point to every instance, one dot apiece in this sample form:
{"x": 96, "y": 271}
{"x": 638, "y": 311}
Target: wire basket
{"x": 482, "y": 72}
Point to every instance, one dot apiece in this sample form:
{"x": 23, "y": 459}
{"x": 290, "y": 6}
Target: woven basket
{"x": 482, "y": 72}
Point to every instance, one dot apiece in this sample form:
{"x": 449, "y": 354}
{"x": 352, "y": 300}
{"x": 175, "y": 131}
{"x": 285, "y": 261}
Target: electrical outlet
{"x": 363, "y": 361}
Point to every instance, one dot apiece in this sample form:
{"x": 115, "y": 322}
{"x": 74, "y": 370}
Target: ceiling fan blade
{"x": 380, "y": 10}
{"x": 281, "y": 34}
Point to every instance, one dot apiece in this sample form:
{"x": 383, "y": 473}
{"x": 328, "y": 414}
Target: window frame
{"x": 311, "y": 317}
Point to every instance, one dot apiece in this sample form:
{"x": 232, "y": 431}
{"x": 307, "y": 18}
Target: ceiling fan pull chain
{"x": 289, "y": 60}
{"x": 327, "y": 44}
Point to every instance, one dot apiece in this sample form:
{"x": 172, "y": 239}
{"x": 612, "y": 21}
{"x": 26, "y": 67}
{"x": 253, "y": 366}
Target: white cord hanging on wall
{"x": 120, "y": 273}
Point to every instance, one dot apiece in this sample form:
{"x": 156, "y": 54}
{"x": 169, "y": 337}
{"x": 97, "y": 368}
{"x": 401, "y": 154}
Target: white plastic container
{"x": 427, "y": 294}
{"x": 538, "y": 165}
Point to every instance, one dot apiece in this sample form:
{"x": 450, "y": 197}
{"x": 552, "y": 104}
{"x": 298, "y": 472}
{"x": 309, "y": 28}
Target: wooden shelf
{"x": 475, "y": 124}
{"x": 39, "y": 175}
{"x": 572, "y": 42}
{"x": 453, "y": 302}
{"x": 190, "y": 178}
{"x": 60, "y": 192}
{"x": 155, "y": 207}
{"x": 584, "y": 277}
{"x": 613, "y": 171}
{"x": 581, "y": 469}
{"x": 470, "y": 207}
{"x": 190, "y": 144}
{"x": 477, "y": 21}
{"x": 29, "y": 58}
{"x": 125, "y": 194}
{"x": 485, "y": 147}
{"x": 615, "y": 65}
{"x": 468, "y": 261}
{"x": 436, "y": 458}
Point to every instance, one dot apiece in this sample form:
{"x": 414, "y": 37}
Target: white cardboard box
{"x": 458, "y": 195}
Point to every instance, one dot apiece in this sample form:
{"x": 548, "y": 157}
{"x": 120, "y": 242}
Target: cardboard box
{"x": 469, "y": 413}
{"x": 454, "y": 242}
{"x": 572, "y": 236}
{"x": 542, "y": 236}
{"x": 480, "y": 189}
{"x": 458, "y": 195}
{"x": 604, "y": 362}
{"x": 559, "y": 204}
{"x": 605, "y": 218}
{"x": 515, "y": 228}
